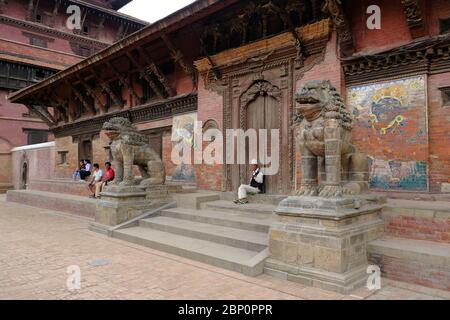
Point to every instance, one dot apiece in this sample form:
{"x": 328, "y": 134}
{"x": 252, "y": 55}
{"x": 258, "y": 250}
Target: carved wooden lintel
{"x": 340, "y": 22}
{"x": 413, "y": 13}
{"x": 145, "y": 75}
{"x": 157, "y": 72}
{"x": 30, "y": 10}
{"x": 2, "y": 4}
{"x": 179, "y": 58}
{"x": 125, "y": 82}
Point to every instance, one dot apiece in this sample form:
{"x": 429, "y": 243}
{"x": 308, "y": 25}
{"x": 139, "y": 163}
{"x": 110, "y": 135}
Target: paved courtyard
{"x": 38, "y": 245}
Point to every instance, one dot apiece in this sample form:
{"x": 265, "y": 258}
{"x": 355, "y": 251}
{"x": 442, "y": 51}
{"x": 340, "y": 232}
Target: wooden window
{"x": 38, "y": 42}
{"x": 445, "y": 96}
{"x": 444, "y": 25}
{"x": 62, "y": 157}
{"x": 36, "y": 136}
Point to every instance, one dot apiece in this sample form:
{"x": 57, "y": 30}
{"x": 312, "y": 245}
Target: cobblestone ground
{"x": 37, "y": 247}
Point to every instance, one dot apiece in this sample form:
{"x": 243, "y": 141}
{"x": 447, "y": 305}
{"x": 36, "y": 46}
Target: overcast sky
{"x": 153, "y": 10}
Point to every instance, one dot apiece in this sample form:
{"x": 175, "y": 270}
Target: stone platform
{"x": 323, "y": 242}
{"x": 73, "y": 204}
{"x": 62, "y": 186}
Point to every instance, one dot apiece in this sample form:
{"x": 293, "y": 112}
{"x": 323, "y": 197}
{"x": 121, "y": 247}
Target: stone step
{"x": 194, "y": 200}
{"x": 229, "y": 206}
{"x": 239, "y": 220}
{"x": 270, "y": 199}
{"x": 5, "y": 187}
{"x": 82, "y": 206}
{"x": 239, "y": 260}
{"x": 238, "y": 238}
{"x": 66, "y": 186}
{"x": 421, "y": 262}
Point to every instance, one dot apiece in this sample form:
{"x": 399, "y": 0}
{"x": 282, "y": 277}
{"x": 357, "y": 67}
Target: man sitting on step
{"x": 256, "y": 184}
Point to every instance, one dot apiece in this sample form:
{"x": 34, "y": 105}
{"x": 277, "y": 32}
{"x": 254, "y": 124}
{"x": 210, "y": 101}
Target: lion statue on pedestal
{"x": 330, "y": 163}
{"x": 128, "y": 148}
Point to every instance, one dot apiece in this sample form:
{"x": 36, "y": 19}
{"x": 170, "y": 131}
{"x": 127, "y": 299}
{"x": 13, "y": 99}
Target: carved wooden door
{"x": 263, "y": 113}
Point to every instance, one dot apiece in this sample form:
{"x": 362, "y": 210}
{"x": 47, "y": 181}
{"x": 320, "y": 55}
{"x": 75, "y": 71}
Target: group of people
{"x": 99, "y": 179}
{"x": 84, "y": 170}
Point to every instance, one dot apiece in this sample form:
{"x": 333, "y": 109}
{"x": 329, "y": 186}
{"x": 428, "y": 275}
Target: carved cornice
{"x": 267, "y": 53}
{"x": 36, "y": 27}
{"x": 147, "y": 112}
{"x": 413, "y": 13}
{"x": 427, "y": 56}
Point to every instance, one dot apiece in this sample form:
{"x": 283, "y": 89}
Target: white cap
{"x": 254, "y": 161}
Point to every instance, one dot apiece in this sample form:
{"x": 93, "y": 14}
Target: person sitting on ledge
{"x": 107, "y": 177}
{"x": 76, "y": 174}
{"x": 256, "y": 184}
{"x": 96, "y": 178}
{"x": 86, "y": 172}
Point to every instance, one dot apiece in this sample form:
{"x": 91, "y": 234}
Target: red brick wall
{"x": 439, "y": 132}
{"x": 167, "y": 153}
{"x": 394, "y": 28}
{"x": 409, "y": 227}
{"x": 12, "y": 122}
{"x": 210, "y": 107}
{"x": 412, "y": 272}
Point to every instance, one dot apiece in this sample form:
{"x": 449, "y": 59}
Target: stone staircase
{"x": 209, "y": 230}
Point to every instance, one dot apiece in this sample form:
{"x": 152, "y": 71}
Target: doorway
{"x": 85, "y": 150}
{"x": 264, "y": 113}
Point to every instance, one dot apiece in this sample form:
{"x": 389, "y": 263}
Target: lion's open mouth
{"x": 306, "y": 100}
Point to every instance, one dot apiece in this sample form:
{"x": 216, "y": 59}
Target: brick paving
{"x": 38, "y": 245}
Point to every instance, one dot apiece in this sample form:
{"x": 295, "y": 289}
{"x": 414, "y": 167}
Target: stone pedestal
{"x": 322, "y": 242}
{"x": 120, "y": 204}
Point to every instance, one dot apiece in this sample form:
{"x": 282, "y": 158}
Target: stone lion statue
{"x": 128, "y": 148}
{"x": 331, "y": 165}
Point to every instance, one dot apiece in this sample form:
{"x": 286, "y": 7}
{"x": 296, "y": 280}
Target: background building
{"x": 35, "y": 43}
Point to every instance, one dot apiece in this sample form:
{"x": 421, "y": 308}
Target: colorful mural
{"x": 183, "y": 128}
{"x": 391, "y": 127}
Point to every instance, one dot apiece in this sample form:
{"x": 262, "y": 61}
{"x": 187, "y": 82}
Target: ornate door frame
{"x": 256, "y": 89}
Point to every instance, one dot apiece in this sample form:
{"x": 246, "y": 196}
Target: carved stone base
{"x": 119, "y": 204}
{"x": 322, "y": 242}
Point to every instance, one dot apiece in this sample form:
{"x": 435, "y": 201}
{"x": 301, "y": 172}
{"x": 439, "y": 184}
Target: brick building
{"x": 235, "y": 64}
{"x": 36, "y": 43}
{"x": 208, "y": 58}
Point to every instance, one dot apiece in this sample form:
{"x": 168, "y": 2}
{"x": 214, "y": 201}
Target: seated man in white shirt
{"x": 256, "y": 184}
{"x": 96, "y": 177}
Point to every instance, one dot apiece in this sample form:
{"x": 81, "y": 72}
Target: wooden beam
{"x": 156, "y": 71}
{"x": 91, "y": 92}
{"x": 105, "y": 86}
{"x": 145, "y": 75}
{"x": 43, "y": 113}
{"x": 80, "y": 97}
{"x": 124, "y": 81}
{"x": 177, "y": 55}
{"x": 62, "y": 110}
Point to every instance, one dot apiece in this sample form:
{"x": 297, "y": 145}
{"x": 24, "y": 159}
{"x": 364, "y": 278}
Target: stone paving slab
{"x": 38, "y": 245}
